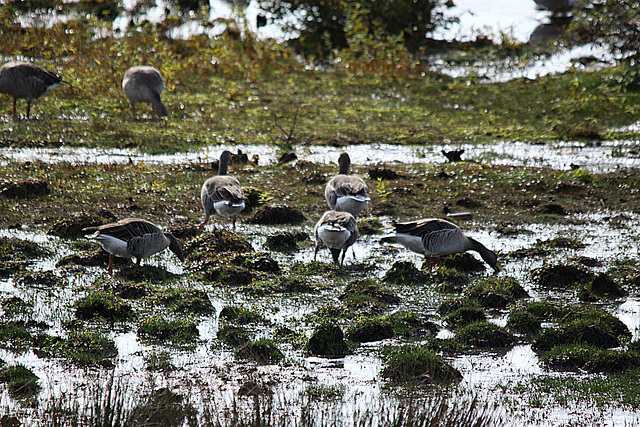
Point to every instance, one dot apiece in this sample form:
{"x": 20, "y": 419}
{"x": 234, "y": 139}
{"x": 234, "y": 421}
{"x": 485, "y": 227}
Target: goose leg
{"x": 110, "y": 268}
{"x": 133, "y": 111}
{"x": 15, "y": 113}
{"x": 233, "y": 221}
{"x": 315, "y": 253}
{"x": 201, "y": 225}
{"x": 28, "y": 109}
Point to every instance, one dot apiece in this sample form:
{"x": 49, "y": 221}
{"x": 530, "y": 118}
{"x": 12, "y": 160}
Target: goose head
{"x": 175, "y": 246}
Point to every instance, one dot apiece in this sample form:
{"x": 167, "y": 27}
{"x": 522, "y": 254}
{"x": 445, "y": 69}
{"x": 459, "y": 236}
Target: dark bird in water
{"x": 435, "y": 237}
{"x": 134, "y": 238}
{"x": 27, "y": 81}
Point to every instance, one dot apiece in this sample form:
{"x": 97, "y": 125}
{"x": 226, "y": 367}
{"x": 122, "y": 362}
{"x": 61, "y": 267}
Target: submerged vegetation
{"x": 268, "y": 328}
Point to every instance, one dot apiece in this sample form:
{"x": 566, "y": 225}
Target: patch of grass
{"x": 103, "y": 305}
{"x": 368, "y": 296}
{"x": 323, "y": 393}
{"x": 14, "y": 249}
{"x": 522, "y": 321}
{"x": 18, "y": 335}
{"x": 561, "y": 276}
{"x": 263, "y": 351}
{"x": 592, "y": 359}
{"x": 617, "y": 390}
{"x": 496, "y": 292}
{"x": 404, "y": 273}
{"x": 235, "y": 336}
{"x": 327, "y": 340}
{"x": 159, "y": 362}
{"x": 185, "y": 300}
{"x": 484, "y": 335}
{"x": 240, "y": 315}
{"x": 83, "y": 348}
{"x": 465, "y": 315}
{"x": 176, "y": 332}
{"x": 369, "y": 329}
{"x": 416, "y": 365}
{"x": 21, "y": 381}
{"x": 593, "y": 327}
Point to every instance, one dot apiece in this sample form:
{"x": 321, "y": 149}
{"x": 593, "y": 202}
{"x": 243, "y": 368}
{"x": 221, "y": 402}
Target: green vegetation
{"x": 177, "y": 332}
{"x": 103, "y": 305}
{"x": 417, "y": 365}
{"x": 20, "y": 381}
{"x": 372, "y": 86}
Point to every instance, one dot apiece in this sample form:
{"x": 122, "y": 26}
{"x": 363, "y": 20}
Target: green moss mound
{"x": 327, "y": 340}
{"x": 592, "y": 359}
{"x": 561, "y": 276}
{"x": 496, "y": 292}
{"x": 404, "y": 273}
{"x": 21, "y": 381}
{"x": 103, "y": 305}
{"x": 484, "y": 335}
{"x": 417, "y": 365}
{"x": 263, "y": 351}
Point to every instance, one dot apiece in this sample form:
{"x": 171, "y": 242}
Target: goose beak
{"x": 496, "y": 268}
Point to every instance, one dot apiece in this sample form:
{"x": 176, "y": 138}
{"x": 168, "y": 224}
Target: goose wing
{"x": 221, "y": 187}
{"x": 423, "y": 226}
{"x": 129, "y": 229}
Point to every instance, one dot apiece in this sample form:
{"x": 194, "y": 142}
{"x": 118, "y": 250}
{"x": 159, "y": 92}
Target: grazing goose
{"x": 144, "y": 84}
{"x": 134, "y": 238}
{"x": 346, "y": 193}
{"x": 222, "y": 193}
{"x": 337, "y": 231}
{"x": 28, "y": 81}
{"x": 435, "y": 237}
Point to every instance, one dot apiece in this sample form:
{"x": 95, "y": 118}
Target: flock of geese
{"x": 347, "y": 195}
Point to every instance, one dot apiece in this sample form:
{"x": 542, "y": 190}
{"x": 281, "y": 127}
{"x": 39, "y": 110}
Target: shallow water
{"x": 602, "y": 157}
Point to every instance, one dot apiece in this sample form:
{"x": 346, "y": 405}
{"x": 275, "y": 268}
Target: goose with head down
{"x": 27, "y": 81}
{"x": 134, "y": 238}
{"x": 434, "y": 237}
{"x": 222, "y": 193}
{"x": 144, "y": 84}
{"x": 346, "y": 193}
{"x": 336, "y": 231}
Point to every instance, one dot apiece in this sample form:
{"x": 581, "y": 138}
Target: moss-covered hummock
{"x": 104, "y": 305}
{"x": 327, "y": 340}
{"x": 496, "y": 292}
{"x": 417, "y": 365}
{"x": 21, "y": 381}
{"x": 484, "y": 335}
{"x": 263, "y": 351}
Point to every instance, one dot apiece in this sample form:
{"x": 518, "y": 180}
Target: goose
{"x": 28, "y": 81}
{"x": 144, "y": 84}
{"x": 346, "y": 193}
{"x": 134, "y": 238}
{"x": 433, "y": 237}
{"x": 222, "y": 193}
{"x": 337, "y": 231}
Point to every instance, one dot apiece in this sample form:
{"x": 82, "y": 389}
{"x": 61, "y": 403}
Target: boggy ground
{"x": 270, "y": 328}
{"x": 267, "y": 308}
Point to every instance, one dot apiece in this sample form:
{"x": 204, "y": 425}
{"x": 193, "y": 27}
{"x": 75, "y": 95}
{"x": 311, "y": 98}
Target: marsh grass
{"x": 108, "y": 400}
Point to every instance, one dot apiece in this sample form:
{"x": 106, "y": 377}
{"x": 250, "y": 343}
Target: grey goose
{"x": 336, "y": 231}
{"x": 27, "y": 81}
{"x": 346, "y": 193}
{"x": 222, "y": 194}
{"x": 134, "y": 238}
{"x": 433, "y": 237}
{"x": 144, "y": 84}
